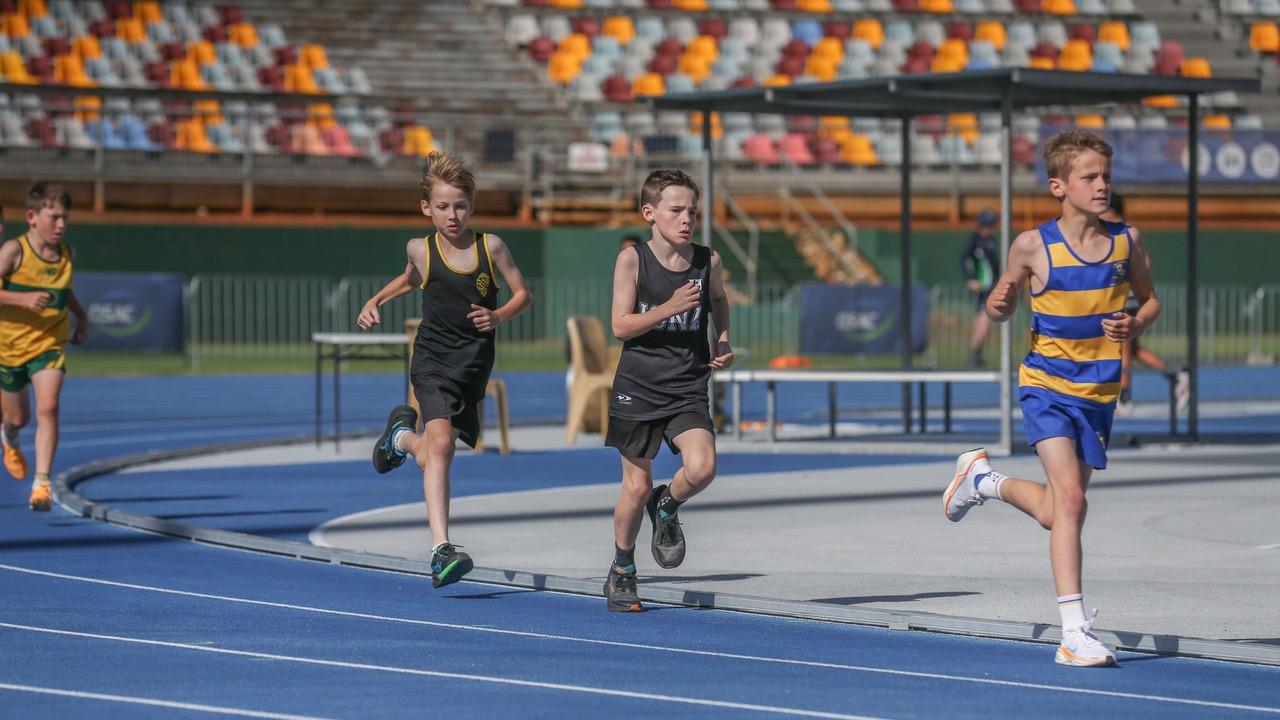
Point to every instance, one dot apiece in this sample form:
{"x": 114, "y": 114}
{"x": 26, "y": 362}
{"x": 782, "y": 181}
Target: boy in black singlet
{"x": 664, "y": 292}
{"x": 453, "y": 351}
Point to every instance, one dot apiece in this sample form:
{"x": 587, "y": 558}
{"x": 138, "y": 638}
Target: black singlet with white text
{"x": 448, "y": 343}
{"x": 664, "y": 371}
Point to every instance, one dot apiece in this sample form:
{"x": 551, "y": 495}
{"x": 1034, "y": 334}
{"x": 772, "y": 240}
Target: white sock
{"x": 9, "y": 437}
{"x": 988, "y": 484}
{"x": 1071, "y": 608}
{"x": 395, "y": 439}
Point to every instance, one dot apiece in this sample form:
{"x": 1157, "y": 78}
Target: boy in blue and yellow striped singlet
{"x": 1079, "y": 270}
{"x": 36, "y": 302}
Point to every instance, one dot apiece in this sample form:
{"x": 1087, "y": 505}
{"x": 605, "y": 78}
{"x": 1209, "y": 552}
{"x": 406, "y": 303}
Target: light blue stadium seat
{"x": 900, "y": 31}
{"x": 848, "y": 6}
{"x": 810, "y": 31}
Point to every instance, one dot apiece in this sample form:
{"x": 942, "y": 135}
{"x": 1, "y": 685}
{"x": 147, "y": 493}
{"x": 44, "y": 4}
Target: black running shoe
{"x": 385, "y": 457}
{"x": 668, "y": 538}
{"x": 448, "y": 565}
{"x": 620, "y": 591}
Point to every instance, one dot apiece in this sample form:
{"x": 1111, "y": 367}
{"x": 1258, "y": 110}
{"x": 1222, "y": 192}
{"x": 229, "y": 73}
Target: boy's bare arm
{"x": 487, "y": 320}
{"x": 400, "y": 285}
{"x": 82, "y": 318}
{"x": 10, "y": 258}
{"x": 627, "y": 323}
{"x": 722, "y": 357}
{"x": 1122, "y": 326}
{"x": 1003, "y": 300}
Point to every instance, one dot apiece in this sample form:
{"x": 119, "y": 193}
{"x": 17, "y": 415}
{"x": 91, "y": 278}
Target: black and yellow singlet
{"x": 448, "y": 343}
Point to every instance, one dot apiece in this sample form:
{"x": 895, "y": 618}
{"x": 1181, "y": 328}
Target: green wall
{"x": 1228, "y": 257}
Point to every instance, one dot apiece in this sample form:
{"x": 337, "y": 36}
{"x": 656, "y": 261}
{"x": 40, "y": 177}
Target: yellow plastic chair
{"x": 593, "y": 362}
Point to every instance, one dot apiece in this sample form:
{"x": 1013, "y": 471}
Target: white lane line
{"x": 1269, "y": 547}
{"x": 655, "y": 648}
{"x": 494, "y": 679}
{"x": 135, "y": 700}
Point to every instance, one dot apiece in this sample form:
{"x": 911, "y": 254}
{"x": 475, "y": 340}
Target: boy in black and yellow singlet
{"x": 34, "y": 331}
{"x": 457, "y": 270}
{"x": 1080, "y": 270}
{"x": 664, "y": 292}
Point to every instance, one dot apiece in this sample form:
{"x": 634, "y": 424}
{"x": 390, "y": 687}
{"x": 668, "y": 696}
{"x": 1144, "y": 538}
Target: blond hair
{"x": 43, "y": 194}
{"x": 1063, "y": 149}
{"x": 444, "y": 168}
{"x": 659, "y": 180}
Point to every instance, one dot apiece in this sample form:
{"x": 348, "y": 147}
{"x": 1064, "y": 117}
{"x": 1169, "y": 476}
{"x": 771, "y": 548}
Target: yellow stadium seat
{"x": 963, "y": 124}
{"x": 777, "y": 80}
{"x": 869, "y": 30}
{"x": 32, "y": 8}
{"x": 1091, "y": 122}
{"x": 418, "y": 141}
{"x": 858, "y": 150}
{"x": 829, "y": 47}
{"x": 691, "y": 5}
{"x": 16, "y": 25}
{"x": 991, "y": 31}
{"x": 185, "y": 74}
{"x": 14, "y": 71}
{"x": 564, "y": 67}
{"x": 814, "y": 6}
{"x": 191, "y": 136}
{"x": 1058, "y": 7}
{"x": 88, "y": 107}
{"x": 648, "y": 84}
{"x": 243, "y": 34}
{"x": 1196, "y": 67}
{"x": 575, "y": 44}
{"x": 69, "y": 70}
{"x": 1264, "y": 37}
{"x": 86, "y": 47}
{"x": 695, "y": 66}
{"x": 703, "y": 46}
{"x": 209, "y": 111}
{"x": 695, "y": 125}
{"x": 619, "y": 27}
{"x": 314, "y": 56}
{"x": 1115, "y": 32}
{"x": 566, "y": 4}
{"x": 298, "y": 78}
{"x": 823, "y": 68}
{"x": 131, "y": 30}
{"x": 148, "y": 11}
{"x": 1076, "y": 56}
{"x": 937, "y": 6}
{"x": 1216, "y": 122}
{"x": 202, "y": 52}
{"x": 1161, "y": 101}
{"x": 1041, "y": 63}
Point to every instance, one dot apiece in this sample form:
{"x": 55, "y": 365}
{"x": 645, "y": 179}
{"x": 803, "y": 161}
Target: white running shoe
{"x": 1081, "y": 648}
{"x": 1182, "y": 389}
{"x": 961, "y": 494}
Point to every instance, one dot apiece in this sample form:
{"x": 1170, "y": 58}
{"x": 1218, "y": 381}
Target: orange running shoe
{"x": 15, "y": 462}
{"x": 41, "y": 500}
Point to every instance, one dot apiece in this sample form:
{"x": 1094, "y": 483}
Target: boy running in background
{"x": 664, "y": 291}
{"x": 453, "y": 352}
{"x": 34, "y": 331}
{"x": 1079, "y": 270}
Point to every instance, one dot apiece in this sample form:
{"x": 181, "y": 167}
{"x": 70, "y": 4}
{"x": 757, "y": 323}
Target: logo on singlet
{"x": 622, "y": 399}
{"x": 482, "y": 283}
{"x": 684, "y": 322}
{"x": 1119, "y": 272}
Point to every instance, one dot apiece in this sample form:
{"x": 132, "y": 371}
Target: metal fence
{"x": 263, "y": 317}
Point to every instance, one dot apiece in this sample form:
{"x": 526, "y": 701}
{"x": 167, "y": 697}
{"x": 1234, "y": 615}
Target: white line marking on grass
{"x": 497, "y": 680}
{"x": 655, "y": 648}
{"x": 135, "y": 700}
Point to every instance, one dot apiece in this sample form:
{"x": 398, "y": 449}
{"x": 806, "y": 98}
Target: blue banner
{"x": 859, "y": 319}
{"x": 1226, "y": 156}
{"x": 132, "y": 311}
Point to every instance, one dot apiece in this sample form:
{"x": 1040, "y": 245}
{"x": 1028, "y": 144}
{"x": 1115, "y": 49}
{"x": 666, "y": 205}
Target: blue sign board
{"x": 132, "y": 311}
{"x": 859, "y": 319}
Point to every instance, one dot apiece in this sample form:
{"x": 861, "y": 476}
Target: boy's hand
{"x": 82, "y": 332}
{"x": 684, "y": 299}
{"x": 1000, "y": 301}
{"x": 34, "y": 301}
{"x": 723, "y": 358}
{"x": 485, "y": 319}
{"x": 369, "y": 316}
{"x": 1121, "y": 327}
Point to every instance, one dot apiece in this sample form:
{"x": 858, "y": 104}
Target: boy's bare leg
{"x": 433, "y": 451}
{"x": 17, "y": 412}
{"x": 48, "y": 388}
{"x": 637, "y": 483}
{"x": 1059, "y": 507}
{"x": 698, "y": 449}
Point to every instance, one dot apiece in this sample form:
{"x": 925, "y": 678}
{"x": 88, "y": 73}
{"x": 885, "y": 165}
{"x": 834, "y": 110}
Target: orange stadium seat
{"x": 314, "y": 56}
{"x": 829, "y": 47}
{"x": 991, "y": 31}
{"x": 869, "y": 30}
{"x": 88, "y": 107}
{"x": 243, "y": 34}
{"x": 941, "y": 7}
{"x": 418, "y": 141}
{"x": 32, "y": 8}
{"x": 1076, "y": 56}
{"x": 820, "y": 7}
{"x": 566, "y": 4}
{"x": 1216, "y": 122}
{"x": 859, "y": 150}
{"x": 963, "y": 124}
{"x": 691, "y": 5}
{"x": 148, "y": 11}
{"x": 1041, "y": 63}
{"x": 193, "y": 137}
{"x": 777, "y": 80}
{"x": 695, "y": 125}
{"x": 1161, "y": 101}
{"x": 1091, "y": 122}
{"x": 575, "y": 44}
{"x": 1116, "y": 32}
{"x": 202, "y": 52}
{"x": 1264, "y": 36}
{"x": 564, "y": 67}
{"x": 14, "y": 71}
{"x": 823, "y": 68}
{"x": 69, "y": 70}
{"x": 619, "y": 27}
{"x": 86, "y": 47}
{"x": 1196, "y": 67}
{"x": 1058, "y": 7}
{"x": 131, "y": 30}
{"x": 16, "y": 25}
{"x": 703, "y": 46}
{"x": 697, "y": 67}
{"x": 648, "y": 84}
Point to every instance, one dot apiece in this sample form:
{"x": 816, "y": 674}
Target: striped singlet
{"x": 1070, "y": 357}
{"x": 26, "y": 334}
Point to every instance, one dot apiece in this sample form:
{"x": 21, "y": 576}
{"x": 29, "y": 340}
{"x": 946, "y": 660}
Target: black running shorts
{"x": 442, "y": 397}
{"x": 643, "y": 438}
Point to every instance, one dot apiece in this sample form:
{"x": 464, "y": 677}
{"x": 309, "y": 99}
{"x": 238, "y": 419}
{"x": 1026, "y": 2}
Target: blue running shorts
{"x": 1045, "y": 415}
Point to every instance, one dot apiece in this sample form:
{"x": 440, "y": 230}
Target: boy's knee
{"x": 48, "y": 411}
{"x": 1070, "y": 503}
{"x": 700, "y": 471}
